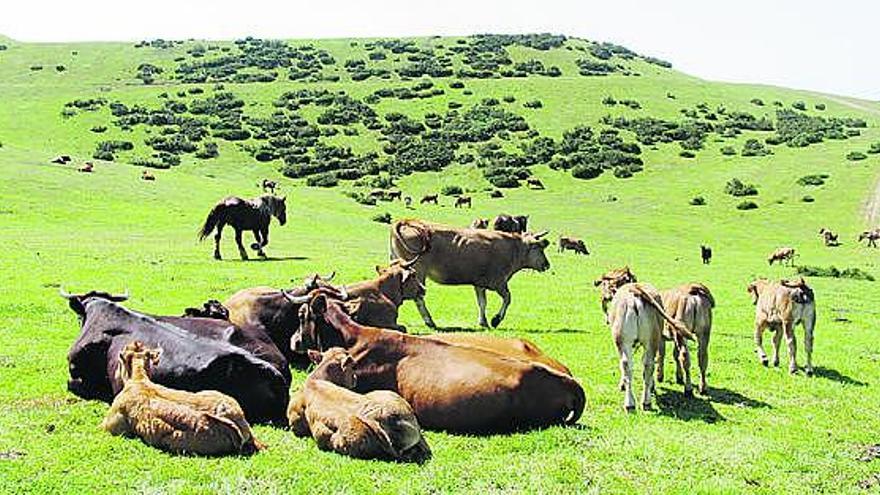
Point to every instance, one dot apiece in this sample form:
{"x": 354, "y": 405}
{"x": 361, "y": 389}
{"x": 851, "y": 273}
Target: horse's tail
{"x": 211, "y": 222}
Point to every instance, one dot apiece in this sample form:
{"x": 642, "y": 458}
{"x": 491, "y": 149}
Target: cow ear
{"x": 315, "y": 356}
{"x": 319, "y": 304}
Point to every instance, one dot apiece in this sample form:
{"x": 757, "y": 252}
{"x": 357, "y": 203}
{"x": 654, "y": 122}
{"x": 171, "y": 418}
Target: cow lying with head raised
{"x": 636, "y": 317}
{"x": 692, "y": 305}
{"x": 780, "y": 306}
{"x": 375, "y": 302}
{"x": 203, "y": 423}
{"x": 275, "y": 311}
{"x": 195, "y": 357}
{"x": 450, "y": 387}
{"x": 376, "y": 425}
{"x": 455, "y": 256}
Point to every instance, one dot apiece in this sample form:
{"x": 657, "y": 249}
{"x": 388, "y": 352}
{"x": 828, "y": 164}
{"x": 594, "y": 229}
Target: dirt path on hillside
{"x": 853, "y": 104}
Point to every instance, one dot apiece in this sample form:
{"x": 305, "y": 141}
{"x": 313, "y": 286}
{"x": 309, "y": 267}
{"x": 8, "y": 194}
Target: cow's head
{"x": 535, "y": 257}
{"x": 755, "y": 288}
{"x": 334, "y": 365}
{"x": 136, "y": 356}
{"x": 522, "y": 221}
{"x": 612, "y": 280}
{"x": 279, "y": 209}
{"x": 77, "y": 302}
{"x": 311, "y": 323}
{"x": 411, "y": 286}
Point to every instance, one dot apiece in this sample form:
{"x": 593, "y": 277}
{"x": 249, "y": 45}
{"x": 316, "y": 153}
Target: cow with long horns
{"x": 484, "y": 259}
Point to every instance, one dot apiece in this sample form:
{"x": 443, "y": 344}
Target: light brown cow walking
{"x": 636, "y": 317}
{"x": 782, "y": 255}
{"x": 692, "y": 305}
{"x": 782, "y": 305}
{"x": 205, "y": 423}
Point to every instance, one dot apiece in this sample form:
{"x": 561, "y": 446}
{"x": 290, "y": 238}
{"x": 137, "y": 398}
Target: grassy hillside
{"x": 758, "y": 430}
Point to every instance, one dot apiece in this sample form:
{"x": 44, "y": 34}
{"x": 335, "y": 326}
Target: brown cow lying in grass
{"x": 204, "y": 423}
{"x": 782, "y": 305}
{"x": 692, "y": 305}
{"x": 376, "y": 425}
{"x": 636, "y": 317}
{"x": 522, "y": 349}
{"x": 782, "y": 255}
{"x": 450, "y": 387}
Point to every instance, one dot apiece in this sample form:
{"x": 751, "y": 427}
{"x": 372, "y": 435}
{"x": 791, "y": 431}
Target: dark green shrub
{"x": 833, "y": 272}
{"x": 874, "y": 148}
{"x": 808, "y": 199}
{"x": 697, "y": 201}
{"x": 736, "y": 187}
{"x": 812, "y": 180}
{"x": 758, "y": 102}
{"x": 36, "y": 67}
{"x": 728, "y": 150}
{"x": 451, "y": 190}
{"x": 747, "y": 205}
{"x": 586, "y": 171}
{"x": 209, "y": 150}
{"x": 60, "y": 68}
{"x": 509, "y": 99}
{"x": 533, "y": 104}
{"x": 799, "y": 105}
{"x": 456, "y": 85}
{"x": 855, "y": 156}
{"x": 753, "y": 147}
{"x": 99, "y": 129}
{"x": 687, "y": 154}
{"x": 820, "y": 106}
{"x": 325, "y": 179}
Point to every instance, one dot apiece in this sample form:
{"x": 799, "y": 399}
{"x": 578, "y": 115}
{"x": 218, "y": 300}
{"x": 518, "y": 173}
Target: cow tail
{"x": 399, "y": 239}
{"x": 579, "y": 402}
{"x": 211, "y": 222}
{"x": 679, "y": 327}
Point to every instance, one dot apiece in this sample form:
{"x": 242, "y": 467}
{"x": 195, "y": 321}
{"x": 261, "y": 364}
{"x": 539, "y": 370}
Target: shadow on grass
{"x": 547, "y": 330}
{"x": 673, "y": 403}
{"x": 271, "y": 258}
{"x": 732, "y": 398}
{"x": 834, "y": 375}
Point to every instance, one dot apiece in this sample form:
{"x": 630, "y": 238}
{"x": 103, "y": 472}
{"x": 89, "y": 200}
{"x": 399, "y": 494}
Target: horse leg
{"x": 217, "y": 238}
{"x": 241, "y": 250}
{"x": 258, "y": 245}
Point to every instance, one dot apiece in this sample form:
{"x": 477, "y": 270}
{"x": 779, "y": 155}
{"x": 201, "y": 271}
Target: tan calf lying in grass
{"x": 782, "y": 305}
{"x": 204, "y": 423}
{"x": 692, "y": 305}
{"x": 636, "y": 316}
{"x": 376, "y": 425}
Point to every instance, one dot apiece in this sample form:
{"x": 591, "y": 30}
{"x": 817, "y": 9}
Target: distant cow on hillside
{"x": 572, "y": 244}
{"x": 429, "y": 198}
{"x": 706, "y": 254}
{"x": 463, "y": 200}
{"x": 782, "y": 255}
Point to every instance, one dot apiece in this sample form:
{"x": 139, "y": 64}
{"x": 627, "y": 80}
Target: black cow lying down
{"x": 197, "y": 354}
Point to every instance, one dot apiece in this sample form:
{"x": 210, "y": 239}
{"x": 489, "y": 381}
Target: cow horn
{"x": 124, "y": 297}
{"x": 329, "y": 277}
{"x": 63, "y": 293}
{"x": 540, "y": 234}
{"x": 295, "y": 299}
{"x": 410, "y": 263}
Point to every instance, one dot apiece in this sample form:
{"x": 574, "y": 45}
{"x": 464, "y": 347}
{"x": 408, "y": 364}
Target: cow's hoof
{"x": 765, "y": 362}
{"x": 809, "y": 371}
{"x": 255, "y": 246}
{"x": 775, "y": 363}
{"x": 217, "y": 257}
{"x": 793, "y": 371}
{"x": 646, "y": 407}
{"x": 629, "y": 409}
{"x": 483, "y": 323}
{"x": 496, "y": 320}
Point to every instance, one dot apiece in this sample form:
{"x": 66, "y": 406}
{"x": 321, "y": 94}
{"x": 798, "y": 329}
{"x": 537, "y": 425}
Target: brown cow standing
{"x": 780, "y": 306}
{"x": 513, "y": 224}
{"x": 392, "y": 195}
{"x": 872, "y": 236}
{"x": 455, "y": 256}
{"x": 692, "y": 305}
{"x": 463, "y": 200}
{"x": 429, "y": 198}
{"x": 450, "y": 387}
{"x": 782, "y": 255}
{"x": 376, "y": 425}
{"x": 573, "y": 244}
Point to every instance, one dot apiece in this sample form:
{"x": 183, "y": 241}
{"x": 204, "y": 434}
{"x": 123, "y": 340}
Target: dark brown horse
{"x": 243, "y": 214}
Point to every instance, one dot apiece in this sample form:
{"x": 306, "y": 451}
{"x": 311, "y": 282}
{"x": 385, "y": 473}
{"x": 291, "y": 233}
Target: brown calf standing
{"x": 782, "y": 305}
{"x": 429, "y": 198}
{"x": 376, "y": 425}
{"x": 463, "y": 200}
{"x": 692, "y": 305}
{"x": 782, "y": 255}
{"x": 573, "y": 244}
{"x": 872, "y": 236}
{"x": 204, "y": 423}
{"x": 392, "y": 195}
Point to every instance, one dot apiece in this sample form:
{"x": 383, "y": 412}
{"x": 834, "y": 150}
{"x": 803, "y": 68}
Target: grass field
{"x": 759, "y": 430}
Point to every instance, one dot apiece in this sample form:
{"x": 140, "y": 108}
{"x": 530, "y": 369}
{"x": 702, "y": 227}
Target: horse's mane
{"x": 266, "y": 203}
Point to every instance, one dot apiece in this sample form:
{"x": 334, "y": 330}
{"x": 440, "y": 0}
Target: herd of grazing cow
{"x": 194, "y": 383}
